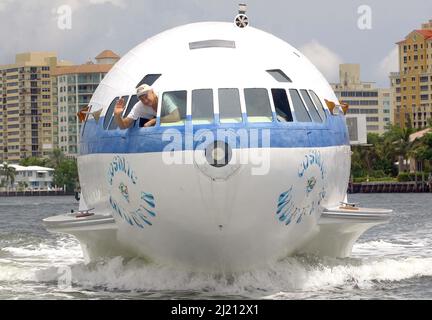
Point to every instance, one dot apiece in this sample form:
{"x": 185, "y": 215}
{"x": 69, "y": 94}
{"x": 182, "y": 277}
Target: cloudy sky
{"x": 326, "y": 31}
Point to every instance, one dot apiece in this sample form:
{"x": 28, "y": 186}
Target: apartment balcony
{"x": 89, "y": 82}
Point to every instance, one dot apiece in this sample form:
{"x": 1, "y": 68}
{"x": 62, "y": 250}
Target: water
{"x": 392, "y": 261}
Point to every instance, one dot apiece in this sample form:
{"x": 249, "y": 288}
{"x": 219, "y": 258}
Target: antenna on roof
{"x": 241, "y": 20}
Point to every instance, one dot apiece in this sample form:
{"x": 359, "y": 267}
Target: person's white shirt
{"x": 140, "y": 110}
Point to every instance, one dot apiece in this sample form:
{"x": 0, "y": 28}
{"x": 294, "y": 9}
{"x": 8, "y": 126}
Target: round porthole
{"x": 218, "y": 154}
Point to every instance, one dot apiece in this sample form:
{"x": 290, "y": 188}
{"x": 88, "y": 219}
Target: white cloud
{"x": 4, "y": 3}
{"x": 118, "y": 3}
{"x": 75, "y": 4}
{"x": 324, "y": 59}
{"x": 389, "y": 64}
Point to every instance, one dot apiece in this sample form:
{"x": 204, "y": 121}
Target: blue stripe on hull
{"x": 96, "y": 140}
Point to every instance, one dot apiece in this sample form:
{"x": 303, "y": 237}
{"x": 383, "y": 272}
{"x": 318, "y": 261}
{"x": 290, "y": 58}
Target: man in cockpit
{"x": 147, "y": 108}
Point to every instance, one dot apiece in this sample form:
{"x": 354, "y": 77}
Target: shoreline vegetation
{"x": 65, "y": 179}
{"x": 398, "y": 155}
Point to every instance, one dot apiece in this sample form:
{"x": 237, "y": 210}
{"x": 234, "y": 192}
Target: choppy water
{"x": 392, "y": 261}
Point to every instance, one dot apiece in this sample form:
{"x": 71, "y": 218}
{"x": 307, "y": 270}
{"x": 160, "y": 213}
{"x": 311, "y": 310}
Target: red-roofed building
{"x": 412, "y": 85}
{"x": 76, "y": 85}
{"x": 425, "y": 33}
{"x": 107, "y": 57}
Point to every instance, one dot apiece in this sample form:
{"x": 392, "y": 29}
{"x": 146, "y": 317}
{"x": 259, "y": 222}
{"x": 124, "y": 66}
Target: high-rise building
{"x": 75, "y": 87}
{"x": 364, "y": 98}
{"x": 27, "y": 126}
{"x": 412, "y": 85}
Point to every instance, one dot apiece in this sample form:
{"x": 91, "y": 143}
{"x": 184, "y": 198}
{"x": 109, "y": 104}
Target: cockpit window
{"x": 174, "y": 108}
{"x": 318, "y": 103}
{"x": 113, "y": 124}
{"x": 279, "y": 75}
{"x": 281, "y": 103}
{"x": 149, "y": 79}
{"x": 300, "y": 110}
{"x": 202, "y": 106}
{"x": 312, "y": 110}
{"x": 258, "y": 105}
{"x": 229, "y": 106}
{"x": 109, "y": 113}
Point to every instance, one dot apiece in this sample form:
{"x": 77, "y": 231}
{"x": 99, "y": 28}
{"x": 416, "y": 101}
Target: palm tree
{"x": 9, "y": 173}
{"x": 403, "y": 146}
{"x": 400, "y": 138}
{"x": 421, "y": 149}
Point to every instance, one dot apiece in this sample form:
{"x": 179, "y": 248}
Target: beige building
{"x": 75, "y": 87}
{"x": 27, "y": 116}
{"x": 364, "y": 98}
{"x": 412, "y": 85}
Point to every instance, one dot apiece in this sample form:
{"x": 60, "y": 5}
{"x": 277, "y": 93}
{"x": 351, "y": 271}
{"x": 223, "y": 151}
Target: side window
{"x": 229, "y": 106}
{"x": 149, "y": 79}
{"x": 132, "y": 102}
{"x": 113, "y": 125}
{"x": 174, "y": 107}
{"x": 299, "y": 108}
{"x": 312, "y": 110}
{"x": 319, "y": 105}
{"x": 279, "y": 75}
{"x": 86, "y": 119}
{"x": 202, "y": 106}
{"x": 109, "y": 113}
{"x": 258, "y": 105}
{"x": 282, "y": 106}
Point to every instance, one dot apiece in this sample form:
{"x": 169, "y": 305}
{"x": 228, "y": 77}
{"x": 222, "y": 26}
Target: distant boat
{"x": 256, "y": 170}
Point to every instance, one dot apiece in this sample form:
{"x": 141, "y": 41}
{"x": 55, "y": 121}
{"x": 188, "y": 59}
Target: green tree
{"x": 365, "y": 158}
{"x": 378, "y": 157}
{"x": 384, "y": 152}
{"x": 33, "y": 161}
{"x": 357, "y": 165}
{"x": 402, "y": 145}
{"x": 66, "y": 174}
{"x": 8, "y": 173}
{"x": 56, "y": 158}
{"x": 22, "y": 185}
{"x": 422, "y": 149}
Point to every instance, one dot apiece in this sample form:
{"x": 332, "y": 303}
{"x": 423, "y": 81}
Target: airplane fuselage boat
{"x": 256, "y": 169}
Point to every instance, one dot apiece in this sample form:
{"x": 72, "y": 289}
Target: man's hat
{"x": 143, "y": 89}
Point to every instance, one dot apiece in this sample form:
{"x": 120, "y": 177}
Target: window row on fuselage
{"x": 232, "y": 105}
